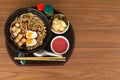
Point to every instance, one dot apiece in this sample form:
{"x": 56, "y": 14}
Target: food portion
{"x": 59, "y": 23}
{"x": 28, "y": 31}
{"x": 59, "y": 45}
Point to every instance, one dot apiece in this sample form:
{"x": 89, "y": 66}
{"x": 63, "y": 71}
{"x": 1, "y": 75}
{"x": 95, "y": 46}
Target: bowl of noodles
{"x": 27, "y": 30}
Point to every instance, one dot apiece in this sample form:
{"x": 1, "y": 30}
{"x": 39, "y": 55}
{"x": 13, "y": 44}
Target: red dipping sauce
{"x": 59, "y": 45}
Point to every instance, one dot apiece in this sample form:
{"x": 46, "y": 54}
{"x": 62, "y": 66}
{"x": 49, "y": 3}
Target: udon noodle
{"x": 28, "y": 31}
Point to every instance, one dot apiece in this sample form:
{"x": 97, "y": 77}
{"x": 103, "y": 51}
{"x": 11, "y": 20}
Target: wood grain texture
{"x": 96, "y": 55}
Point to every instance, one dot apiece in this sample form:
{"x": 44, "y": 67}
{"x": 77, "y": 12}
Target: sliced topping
{"x": 23, "y": 40}
{"x": 13, "y": 29}
{"x": 31, "y": 42}
{"x": 17, "y": 32}
{"x": 31, "y": 34}
{"x": 18, "y": 38}
{"x": 20, "y": 43}
{"x": 17, "y": 24}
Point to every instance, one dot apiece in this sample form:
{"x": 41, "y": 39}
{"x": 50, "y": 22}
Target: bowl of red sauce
{"x": 59, "y": 45}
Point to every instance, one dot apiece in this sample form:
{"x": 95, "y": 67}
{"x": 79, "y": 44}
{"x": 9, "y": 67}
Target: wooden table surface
{"x": 96, "y": 54}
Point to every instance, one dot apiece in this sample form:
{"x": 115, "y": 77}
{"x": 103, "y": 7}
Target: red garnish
{"x": 40, "y": 7}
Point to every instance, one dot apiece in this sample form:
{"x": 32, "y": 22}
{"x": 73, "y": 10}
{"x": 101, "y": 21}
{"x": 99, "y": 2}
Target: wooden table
{"x": 96, "y": 54}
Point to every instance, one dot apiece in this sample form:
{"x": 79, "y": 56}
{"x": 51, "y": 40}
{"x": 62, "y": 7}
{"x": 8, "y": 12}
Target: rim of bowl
{"x": 68, "y": 45}
{"x": 68, "y": 24}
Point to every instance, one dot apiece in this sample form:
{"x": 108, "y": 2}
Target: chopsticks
{"x": 41, "y": 58}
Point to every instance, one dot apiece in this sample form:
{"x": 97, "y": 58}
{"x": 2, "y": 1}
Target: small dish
{"x": 59, "y": 24}
{"x": 59, "y": 45}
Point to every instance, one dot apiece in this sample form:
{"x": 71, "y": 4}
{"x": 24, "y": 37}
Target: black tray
{"x": 69, "y": 35}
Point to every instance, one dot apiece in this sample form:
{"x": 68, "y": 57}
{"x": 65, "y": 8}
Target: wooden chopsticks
{"x": 41, "y": 58}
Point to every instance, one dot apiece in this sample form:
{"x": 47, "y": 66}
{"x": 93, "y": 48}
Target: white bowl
{"x": 68, "y": 24}
{"x": 64, "y": 39}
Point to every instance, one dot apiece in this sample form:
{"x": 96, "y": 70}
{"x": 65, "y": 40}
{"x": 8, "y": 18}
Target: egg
{"x": 31, "y": 34}
{"x": 31, "y": 42}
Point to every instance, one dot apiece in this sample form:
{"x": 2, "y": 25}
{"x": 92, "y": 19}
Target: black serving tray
{"x": 69, "y": 34}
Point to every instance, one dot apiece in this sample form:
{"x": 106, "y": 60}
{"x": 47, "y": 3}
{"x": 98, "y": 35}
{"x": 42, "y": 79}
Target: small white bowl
{"x": 68, "y": 24}
{"x": 62, "y": 38}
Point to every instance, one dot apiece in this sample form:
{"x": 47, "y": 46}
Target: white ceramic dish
{"x": 68, "y": 24}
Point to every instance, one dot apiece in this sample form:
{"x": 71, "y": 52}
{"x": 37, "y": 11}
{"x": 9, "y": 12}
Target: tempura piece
{"x": 18, "y": 38}
{"x": 16, "y": 32}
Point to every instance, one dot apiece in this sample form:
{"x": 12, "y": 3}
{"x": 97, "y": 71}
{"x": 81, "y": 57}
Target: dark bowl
{"x": 17, "y": 13}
